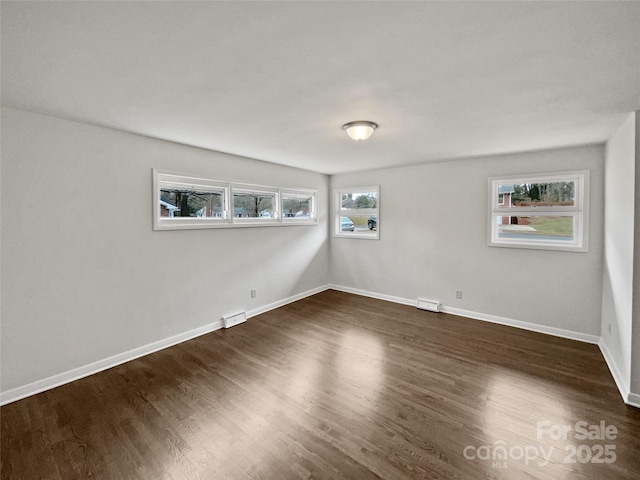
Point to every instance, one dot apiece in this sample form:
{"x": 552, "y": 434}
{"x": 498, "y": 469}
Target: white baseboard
{"x": 558, "y": 332}
{"x": 618, "y": 378}
{"x": 286, "y": 301}
{"x": 379, "y": 296}
{"x": 95, "y": 367}
{"x": 59, "y": 379}
{"x": 630, "y": 398}
{"x": 633, "y": 399}
{"x": 533, "y": 327}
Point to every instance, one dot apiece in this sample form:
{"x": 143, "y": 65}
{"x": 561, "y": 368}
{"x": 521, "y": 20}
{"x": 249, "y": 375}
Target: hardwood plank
{"x": 335, "y": 386}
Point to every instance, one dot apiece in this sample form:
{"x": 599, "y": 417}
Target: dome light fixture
{"x": 360, "y": 130}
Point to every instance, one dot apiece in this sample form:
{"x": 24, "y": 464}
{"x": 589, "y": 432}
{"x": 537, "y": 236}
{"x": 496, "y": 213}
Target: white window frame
{"x": 579, "y": 211}
{"x": 162, "y": 178}
{"x": 167, "y": 179}
{"x": 339, "y": 212}
{"x": 301, "y": 193}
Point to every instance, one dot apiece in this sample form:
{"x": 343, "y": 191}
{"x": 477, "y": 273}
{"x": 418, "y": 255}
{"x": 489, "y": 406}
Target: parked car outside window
{"x": 372, "y": 222}
{"x": 346, "y": 225}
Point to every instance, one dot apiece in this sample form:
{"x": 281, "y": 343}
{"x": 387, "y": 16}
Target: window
{"x": 544, "y": 211}
{"x": 357, "y": 212}
{"x": 252, "y": 203}
{"x": 188, "y": 202}
{"x": 185, "y": 202}
{"x": 298, "y": 206}
{"x": 191, "y": 201}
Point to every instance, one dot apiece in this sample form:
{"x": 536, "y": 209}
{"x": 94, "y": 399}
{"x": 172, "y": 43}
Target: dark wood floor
{"x": 333, "y": 386}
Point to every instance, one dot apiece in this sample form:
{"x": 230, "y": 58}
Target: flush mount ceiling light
{"x": 360, "y": 130}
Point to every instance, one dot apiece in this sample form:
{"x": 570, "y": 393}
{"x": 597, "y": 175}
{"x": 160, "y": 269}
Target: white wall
{"x": 84, "y": 277}
{"x": 433, "y": 241}
{"x": 635, "y": 353}
{"x": 617, "y": 294}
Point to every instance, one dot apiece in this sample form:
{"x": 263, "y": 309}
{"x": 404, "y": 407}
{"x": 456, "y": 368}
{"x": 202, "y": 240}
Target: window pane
{"x": 357, "y": 212}
{"x": 536, "y": 228}
{"x": 182, "y": 202}
{"x": 524, "y": 195}
{"x": 359, "y": 223}
{"x": 253, "y": 205}
{"x": 296, "y": 206}
{"x": 352, "y": 201}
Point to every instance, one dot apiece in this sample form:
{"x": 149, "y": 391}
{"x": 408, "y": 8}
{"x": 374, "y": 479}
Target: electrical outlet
{"x": 458, "y": 293}
{"x": 253, "y": 294}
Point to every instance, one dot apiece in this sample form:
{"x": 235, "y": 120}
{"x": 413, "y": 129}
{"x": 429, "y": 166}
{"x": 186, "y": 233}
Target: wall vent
{"x": 430, "y": 305}
{"x": 234, "y": 320}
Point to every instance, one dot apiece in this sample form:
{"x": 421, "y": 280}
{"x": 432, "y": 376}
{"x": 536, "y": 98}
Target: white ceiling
{"x": 276, "y": 80}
